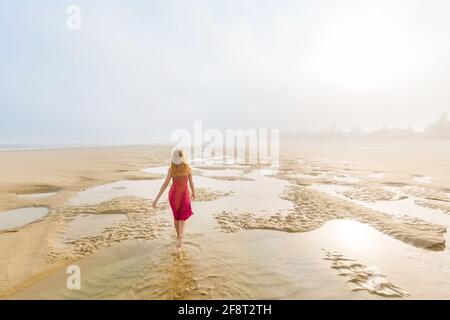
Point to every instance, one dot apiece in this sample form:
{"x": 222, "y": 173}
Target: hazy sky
{"x": 139, "y": 69}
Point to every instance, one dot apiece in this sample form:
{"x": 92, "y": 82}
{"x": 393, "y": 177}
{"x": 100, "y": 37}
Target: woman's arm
{"x": 191, "y": 184}
{"x": 163, "y": 187}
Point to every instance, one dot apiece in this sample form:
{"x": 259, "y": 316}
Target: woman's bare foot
{"x": 179, "y": 239}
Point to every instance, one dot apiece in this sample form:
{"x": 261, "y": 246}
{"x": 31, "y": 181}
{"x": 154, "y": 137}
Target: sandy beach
{"x": 337, "y": 220}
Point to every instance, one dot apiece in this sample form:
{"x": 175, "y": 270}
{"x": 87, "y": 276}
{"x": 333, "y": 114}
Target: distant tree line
{"x": 439, "y": 130}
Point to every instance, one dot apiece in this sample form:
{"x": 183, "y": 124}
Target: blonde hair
{"x": 181, "y": 169}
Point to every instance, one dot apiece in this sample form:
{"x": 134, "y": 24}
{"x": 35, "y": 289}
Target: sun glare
{"x": 362, "y": 54}
{"x": 353, "y": 235}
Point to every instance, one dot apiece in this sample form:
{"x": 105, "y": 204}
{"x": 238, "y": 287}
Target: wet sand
{"x": 325, "y": 225}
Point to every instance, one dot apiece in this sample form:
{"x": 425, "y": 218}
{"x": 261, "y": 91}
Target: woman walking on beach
{"x": 180, "y": 202}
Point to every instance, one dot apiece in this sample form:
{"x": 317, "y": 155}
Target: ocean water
{"x": 18, "y": 147}
{"x": 13, "y": 147}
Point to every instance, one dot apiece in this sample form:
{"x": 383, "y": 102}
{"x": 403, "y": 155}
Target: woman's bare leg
{"x": 181, "y": 225}
{"x": 177, "y": 227}
{"x": 180, "y": 232}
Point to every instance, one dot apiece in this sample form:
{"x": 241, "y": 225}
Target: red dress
{"x": 179, "y": 198}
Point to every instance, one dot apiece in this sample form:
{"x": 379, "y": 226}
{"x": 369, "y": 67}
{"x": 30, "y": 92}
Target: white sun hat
{"x": 176, "y": 159}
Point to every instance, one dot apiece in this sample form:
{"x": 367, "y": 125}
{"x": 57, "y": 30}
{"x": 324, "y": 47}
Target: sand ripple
{"x": 362, "y": 277}
{"x": 142, "y": 223}
{"x": 444, "y": 206}
{"x": 313, "y": 209}
{"x": 230, "y": 178}
{"x": 206, "y": 194}
{"x": 371, "y": 194}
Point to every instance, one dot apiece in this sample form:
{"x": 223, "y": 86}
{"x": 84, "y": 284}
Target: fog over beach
{"x": 292, "y": 65}
{"x": 317, "y": 134}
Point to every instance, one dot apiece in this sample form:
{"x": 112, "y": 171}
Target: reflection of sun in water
{"x": 353, "y": 234}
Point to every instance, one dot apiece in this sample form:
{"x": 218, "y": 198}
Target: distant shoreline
{"x": 37, "y": 147}
{"x": 283, "y": 141}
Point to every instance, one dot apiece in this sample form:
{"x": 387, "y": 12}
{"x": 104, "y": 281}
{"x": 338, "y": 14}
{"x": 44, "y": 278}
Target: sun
{"x": 362, "y": 54}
